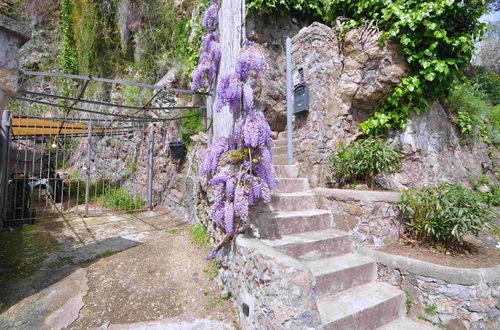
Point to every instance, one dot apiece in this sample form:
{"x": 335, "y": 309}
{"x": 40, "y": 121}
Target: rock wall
{"x": 456, "y": 298}
{"x": 434, "y": 153}
{"x": 276, "y": 288}
{"x": 372, "y": 217}
{"x": 346, "y": 79}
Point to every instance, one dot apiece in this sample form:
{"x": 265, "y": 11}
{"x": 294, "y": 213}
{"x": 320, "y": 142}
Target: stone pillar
{"x": 12, "y": 36}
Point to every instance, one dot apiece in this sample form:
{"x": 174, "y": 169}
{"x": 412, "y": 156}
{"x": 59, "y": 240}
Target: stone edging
{"x": 359, "y": 195}
{"x": 463, "y": 276}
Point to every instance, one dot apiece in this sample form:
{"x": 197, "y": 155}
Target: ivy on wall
{"x": 67, "y": 57}
{"x": 435, "y": 36}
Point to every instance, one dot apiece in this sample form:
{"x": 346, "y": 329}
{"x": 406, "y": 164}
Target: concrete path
{"x": 159, "y": 279}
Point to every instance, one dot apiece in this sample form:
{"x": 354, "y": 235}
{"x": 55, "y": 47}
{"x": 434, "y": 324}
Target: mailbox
{"x": 301, "y": 99}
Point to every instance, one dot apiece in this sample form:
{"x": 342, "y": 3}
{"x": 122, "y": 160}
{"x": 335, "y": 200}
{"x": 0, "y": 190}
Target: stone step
{"x": 279, "y": 143}
{"x": 284, "y": 185}
{"x": 314, "y": 245}
{"x": 340, "y": 273}
{"x": 276, "y": 225}
{"x": 278, "y": 151}
{"x": 408, "y": 324}
{"x": 286, "y": 171}
{"x": 297, "y": 201}
{"x": 364, "y": 307}
{"x": 280, "y": 159}
{"x": 282, "y": 135}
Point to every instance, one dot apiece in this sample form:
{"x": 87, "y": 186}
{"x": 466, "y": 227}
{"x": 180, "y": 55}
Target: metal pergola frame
{"x": 138, "y": 116}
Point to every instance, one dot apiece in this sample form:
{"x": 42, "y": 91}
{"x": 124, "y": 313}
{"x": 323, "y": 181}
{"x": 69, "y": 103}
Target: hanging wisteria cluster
{"x": 234, "y": 86}
{"x": 208, "y": 63}
{"x": 239, "y": 167}
{"x": 241, "y": 173}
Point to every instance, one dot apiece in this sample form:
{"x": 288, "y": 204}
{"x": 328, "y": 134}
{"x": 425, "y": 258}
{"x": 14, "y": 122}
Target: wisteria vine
{"x": 208, "y": 63}
{"x": 239, "y": 167}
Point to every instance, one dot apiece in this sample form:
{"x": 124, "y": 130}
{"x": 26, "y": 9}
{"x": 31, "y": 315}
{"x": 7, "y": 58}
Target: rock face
{"x": 433, "y": 153}
{"x": 346, "y": 80}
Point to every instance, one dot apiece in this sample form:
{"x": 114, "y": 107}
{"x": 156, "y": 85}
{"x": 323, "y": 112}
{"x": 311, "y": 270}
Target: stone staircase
{"x": 347, "y": 294}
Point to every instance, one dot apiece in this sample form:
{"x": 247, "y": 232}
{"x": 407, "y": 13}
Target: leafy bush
{"x": 444, "y": 214}
{"x": 363, "y": 159}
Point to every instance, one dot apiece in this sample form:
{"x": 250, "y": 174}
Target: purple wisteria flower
{"x": 211, "y": 18}
{"x": 208, "y": 62}
{"x": 228, "y": 217}
{"x": 249, "y": 60}
{"x": 229, "y": 93}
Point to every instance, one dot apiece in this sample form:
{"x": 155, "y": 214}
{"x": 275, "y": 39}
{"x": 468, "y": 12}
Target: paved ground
{"x": 158, "y": 280}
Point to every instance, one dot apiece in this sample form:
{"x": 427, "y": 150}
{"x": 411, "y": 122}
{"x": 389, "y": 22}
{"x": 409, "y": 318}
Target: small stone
{"x": 484, "y": 188}
{"x": 455, "y": 324}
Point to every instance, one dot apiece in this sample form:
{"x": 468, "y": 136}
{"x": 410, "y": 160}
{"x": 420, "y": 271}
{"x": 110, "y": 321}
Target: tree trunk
{"x": 231, "y": 28}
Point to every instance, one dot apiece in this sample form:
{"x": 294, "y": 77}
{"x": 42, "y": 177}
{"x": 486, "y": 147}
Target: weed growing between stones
{"x": 408, "y": 301}
{"x": 199, "y": 235}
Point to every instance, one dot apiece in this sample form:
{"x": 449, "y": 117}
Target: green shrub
{"x": 444, "y": 214}
{"x": 120, "y": 199}
{"x": 363, "y": 159}
{"x": 475, "y": 115}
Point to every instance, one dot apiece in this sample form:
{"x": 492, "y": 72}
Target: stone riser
{"x": 278, "y": 151}
{"x": 370, "y": 319}
{"x": 286, "y": 171}
{"x": 292, "y": 202}
{"x": 373, "y": 305}
{"x": 291, "y": 185}
{"x": 331, "y": 283}
{"x": 279, "y": 143}
{"x": 280, "y": 159}
{"x": 274, "y": 226}
{"x": 331, "y": 247}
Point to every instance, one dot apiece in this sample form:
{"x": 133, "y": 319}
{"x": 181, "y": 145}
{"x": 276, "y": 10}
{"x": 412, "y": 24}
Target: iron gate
{"x": 67, "y": 158}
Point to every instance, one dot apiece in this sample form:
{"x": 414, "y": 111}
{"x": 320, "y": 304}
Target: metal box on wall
{"x": 301, "y": 99}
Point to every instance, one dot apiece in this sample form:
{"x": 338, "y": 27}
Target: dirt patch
{"x": 470, "y": 255}
{"x": 167, "y": 278}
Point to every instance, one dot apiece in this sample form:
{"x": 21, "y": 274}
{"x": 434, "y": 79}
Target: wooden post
{"x": 231, "y": 23}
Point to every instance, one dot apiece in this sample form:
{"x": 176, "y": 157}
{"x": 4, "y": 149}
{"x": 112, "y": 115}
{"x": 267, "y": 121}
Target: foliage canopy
{"x": 435, "y": 36}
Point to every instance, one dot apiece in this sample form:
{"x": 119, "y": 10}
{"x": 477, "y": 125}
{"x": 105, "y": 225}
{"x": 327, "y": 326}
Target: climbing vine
{"x": 67, "y": 57}
{"x": 435, "y": 36}
{"x": 239, "y": 167}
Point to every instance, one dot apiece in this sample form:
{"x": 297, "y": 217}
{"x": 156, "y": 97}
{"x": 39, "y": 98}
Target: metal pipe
{"x": 67, "y": 98}
{"x": 150, "y": 170}
{"x": 89, "y": 161}
{"x": 100, "y": 113}
{"x": 289, "y": 99}
{"x": 111, "y": 81}
{"x": 4, "y": 163}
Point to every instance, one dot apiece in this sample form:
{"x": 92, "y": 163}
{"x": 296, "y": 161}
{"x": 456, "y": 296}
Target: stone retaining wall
{"x": 371, "y": 216}
{"x": 457, "y": 298}
{"x": 277, "y": 289}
